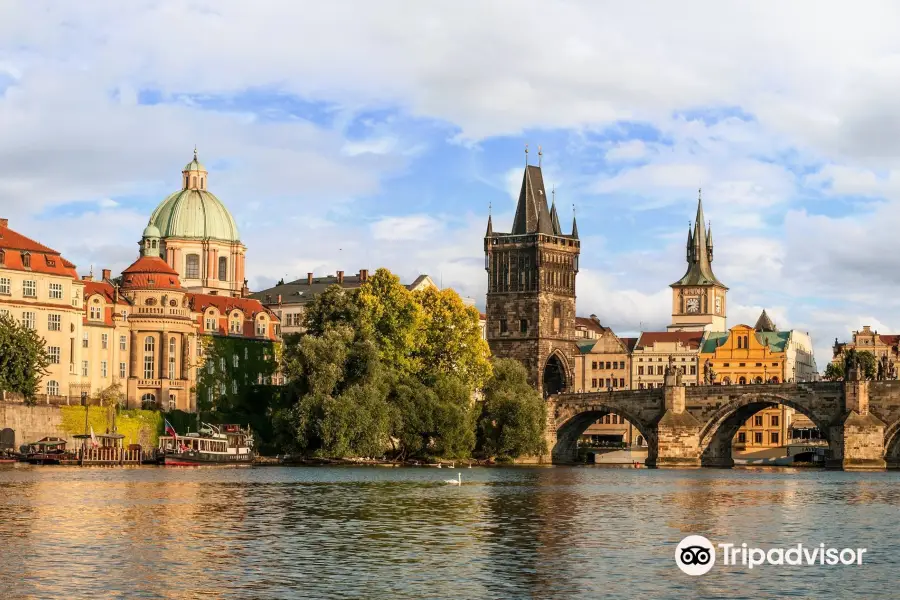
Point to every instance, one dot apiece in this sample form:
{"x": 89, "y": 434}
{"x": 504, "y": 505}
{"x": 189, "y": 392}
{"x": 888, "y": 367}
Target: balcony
{"x": 162, "y": 311}
{"x": 152, "y": 383}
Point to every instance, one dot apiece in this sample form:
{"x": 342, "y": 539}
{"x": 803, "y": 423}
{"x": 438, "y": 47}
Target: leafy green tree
{"x": 452, "y": 341}
{"x": 834, "y": 371}
{"x": 23, "y": 359}
{"x": 332, "y": 307}
{"x": 393, "y": 318}
{"x": 868, "y": 363}
{"x": 513, "y": 416}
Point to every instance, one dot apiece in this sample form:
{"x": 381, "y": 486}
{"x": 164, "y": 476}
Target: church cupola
{"x": 194, "y": 175}
{"x": 150, "y": 241}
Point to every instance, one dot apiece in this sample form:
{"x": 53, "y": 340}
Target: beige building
{"x": 604, "y": 362}
{"x": 198, "y": 236}
{"x": 40, "y": 289}
{"x": 651, "y": 356}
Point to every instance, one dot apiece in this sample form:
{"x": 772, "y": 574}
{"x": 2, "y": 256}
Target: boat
{"x": 50, "y": 451}
{"x": 214, "y": 445}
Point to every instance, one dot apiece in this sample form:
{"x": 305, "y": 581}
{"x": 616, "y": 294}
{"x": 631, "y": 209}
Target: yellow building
{"x": 651, "y": 356}
{"x": 746, "y": 355}
{"x": 604, "y": 362}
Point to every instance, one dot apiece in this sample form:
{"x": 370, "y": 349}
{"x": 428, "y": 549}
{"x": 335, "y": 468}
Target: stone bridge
{"x": 694, "y": 426}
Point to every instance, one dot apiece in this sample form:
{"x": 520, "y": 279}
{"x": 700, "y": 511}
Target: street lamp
{"x": 765, "y": 374}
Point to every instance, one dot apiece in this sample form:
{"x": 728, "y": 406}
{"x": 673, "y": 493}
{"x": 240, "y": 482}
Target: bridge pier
{"x": 677, "y": 432}
{"x": 857, "y": 438}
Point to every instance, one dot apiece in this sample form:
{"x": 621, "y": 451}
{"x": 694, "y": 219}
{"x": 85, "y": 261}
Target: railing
{"x": 110, "y": 456}
{"x": 162, "y": 310}
{"x": 149, "y": 383}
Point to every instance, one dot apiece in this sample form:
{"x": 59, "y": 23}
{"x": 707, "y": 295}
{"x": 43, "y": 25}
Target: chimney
{"x": 107, "y": 274}
{"x": 309, "y": 279}
{"x": 340, "y": 277}
{"x": 279, "y": 299}
{"x": 363, "y": 275}
{"x": 4, "y": 222}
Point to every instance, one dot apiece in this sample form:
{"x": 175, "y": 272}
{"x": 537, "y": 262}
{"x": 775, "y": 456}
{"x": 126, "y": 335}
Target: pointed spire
{"x": 709, "y": 242}
{"x": 699, "y": 251}
{"x": 490, "y": 227}
{"x": 532, "y": 214}
{"x": 554, "y": 216}
{"x": 690, "y": 245}
{"x": 574, "y": 224}
{"x": 195, "y": 151}
{"x": 764, "y": 323}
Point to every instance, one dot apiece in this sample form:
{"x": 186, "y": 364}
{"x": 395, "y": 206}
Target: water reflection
{"x": 402, "y": 533}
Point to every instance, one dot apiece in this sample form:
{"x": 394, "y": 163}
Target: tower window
{"x": 192, "y": 266}
{"x": 523, "y": 325}
{"x": 194, "y": 181}
{"x": 557, "y": 318}
{"x": 503, "y": 327}
{"x": 201, "y": 183}
{"x": 223, "y": 268}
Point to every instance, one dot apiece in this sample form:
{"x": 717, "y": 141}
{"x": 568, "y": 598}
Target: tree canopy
{"x": 23, "y": 358}
{"x": 514, "y": 414}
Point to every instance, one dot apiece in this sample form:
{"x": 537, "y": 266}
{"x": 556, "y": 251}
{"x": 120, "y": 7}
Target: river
{"x": 565, "y": 532}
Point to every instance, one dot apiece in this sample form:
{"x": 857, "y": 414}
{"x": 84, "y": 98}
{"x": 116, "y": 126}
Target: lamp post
{"x": 765, "y": 374}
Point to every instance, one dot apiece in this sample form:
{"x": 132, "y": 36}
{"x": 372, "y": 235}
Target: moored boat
{"x": 214, "y": 445}
{"x": 50, "y": 451}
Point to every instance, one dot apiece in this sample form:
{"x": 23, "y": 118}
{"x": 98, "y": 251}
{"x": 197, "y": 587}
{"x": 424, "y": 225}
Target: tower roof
{"x": 532, "y": 214}
{"x": 699, "y": 258}
{"x": 764, "y": 323}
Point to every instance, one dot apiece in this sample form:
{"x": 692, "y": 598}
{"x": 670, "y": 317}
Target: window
{"x": 503, "y": 328}
{"x": 774, "y": 419}
{"x": 641, "y": 370}
{"x": 236, "y": 325}
{"x": 594, "y": 382}
{"x": 523, "y": 325}
{"x": 4, "y": 286}
{"x": 693, "y": 369}
{"x": 222, "y": 364}
{"x": 621, "y": 364}
{"x": 74, "y": 297}
{"x": 192, "y": 266}
{"x": 758, "y": 420}
{"x": 26, "y": 260}
{"x": 56, "y": 291}
{"x": 29, "y": 289}
{"x": 594, "y": 365}
{"x": 54, "y": 322}
{"x": 172, "y": 374}
{"x": 122, "y": 370}
{"x": 123, "y": 343}
{"x": 95, "y": 313}
{"x": 223, "y": 268}
{"x": 773, "y": 437}
{"x": 234, "y": 387}
{"x": 149, "y": 357}
{"x": 84, "y": 368}
{"x": 52, "y": 388}
{"x": 54, "y": 353}
{"x": 28, "y": 320}
{"x": 246, "y": 353}
{"x": 659, "y": 370}
{"x": 742, "y": 437}
{"x": 104, "y": 341}
{"x": 234, "y": 360}
{"x": 84, "y": 340}
{"x": 615, "y": 382}
{"x": 103, "y": 372}
{"x": 209, "y": 367}
{"x": 261, "y": 327}
{"x": 758, "y": 437}
{"x": 210, "y": 324}
{"x": 621, "y": 382}
{"x": 608, "y": 366}
{"x": 608, "y": 382}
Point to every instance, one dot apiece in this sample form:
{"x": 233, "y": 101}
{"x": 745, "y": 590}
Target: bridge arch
{"x": 718, "y": 432}
{"x": 892, "y": 444}
{"x": 576, "y": 420}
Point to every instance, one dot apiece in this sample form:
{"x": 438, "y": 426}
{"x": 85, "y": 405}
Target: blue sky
{"x": 347, "y": 136}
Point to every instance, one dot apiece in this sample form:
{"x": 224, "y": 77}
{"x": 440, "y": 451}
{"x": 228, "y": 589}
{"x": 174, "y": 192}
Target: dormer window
{"x": 2, "y": 257}
{"x": 26, "y": 260}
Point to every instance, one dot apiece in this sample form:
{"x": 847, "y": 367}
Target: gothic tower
{"x": 698, "y": 298}
{"x": 531, "y": 289}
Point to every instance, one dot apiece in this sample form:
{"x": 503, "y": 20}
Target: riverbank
{"x": 288, "y": 461}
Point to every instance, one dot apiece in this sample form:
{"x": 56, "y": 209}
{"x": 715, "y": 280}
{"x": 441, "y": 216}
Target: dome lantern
{"x": 194, "y": 175}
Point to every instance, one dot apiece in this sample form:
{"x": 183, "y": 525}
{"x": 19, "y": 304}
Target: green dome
{"x": 194, "y": 214}
{"x": 194, "y": 165}
{"x": 151, "y": 231}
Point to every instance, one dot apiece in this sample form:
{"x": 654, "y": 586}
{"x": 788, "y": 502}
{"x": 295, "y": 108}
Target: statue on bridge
{"x": 709, "y": 374}
{"x": 851, "y": 365}
{"x": 670, "y": 369}
{"x": 882, "y": 373}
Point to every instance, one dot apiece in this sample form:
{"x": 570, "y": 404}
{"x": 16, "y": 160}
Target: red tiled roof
{"x": 590, "y": 324}
{"x": 225, "y": 304}
{"x": 43, "y": 259}
{"x": 105, "y": 289}
{"x": 691, "y": 339}
{"x": 889, "y": 338}
{"x": 150, "y": 272}
{"x": 629, "y": 343}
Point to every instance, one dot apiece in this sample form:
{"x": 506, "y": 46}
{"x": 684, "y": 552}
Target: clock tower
{"x": 698, "y": 298}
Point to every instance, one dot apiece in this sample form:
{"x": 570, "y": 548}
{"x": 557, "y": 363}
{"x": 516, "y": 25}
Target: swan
{"x": 470, "y": 465}
{"x": 457, "y": 481}
{"x": 439, "y": 465}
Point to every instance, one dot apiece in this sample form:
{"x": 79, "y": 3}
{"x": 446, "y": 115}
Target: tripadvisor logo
{"x": 696, "y": 555}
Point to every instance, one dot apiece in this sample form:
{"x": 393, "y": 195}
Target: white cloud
{"x": 411, "y": 228}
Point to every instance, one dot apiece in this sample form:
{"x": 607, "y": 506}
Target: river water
{"x": 565, "y": 532}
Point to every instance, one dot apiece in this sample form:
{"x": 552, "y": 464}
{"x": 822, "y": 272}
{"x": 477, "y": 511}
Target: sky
{"x": 345, "y": 135}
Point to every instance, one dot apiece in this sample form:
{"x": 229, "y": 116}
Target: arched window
{"x": 201, "y": 183}
{"x": 148, "y": 400}
{"x": 742, "y": 381}
{"x": 740, "y": 342}
{"x": 149, "y": 356}
{"x": 557, "y": 318}
{"x": 774, "y": 380}
{"x": 192, "y": 266}
{"x": 640, "y": 440}
{"x": 193, "y": 181}
{"x": 52, "y": 388}
{"x": 171, "y": 358}
{"x": 223, "y": 268}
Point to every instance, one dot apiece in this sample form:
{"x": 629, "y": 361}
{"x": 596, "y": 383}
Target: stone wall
{"x": 31, "y": 423}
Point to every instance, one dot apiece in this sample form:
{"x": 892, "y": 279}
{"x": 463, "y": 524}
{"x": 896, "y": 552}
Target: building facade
{"x": 654, "y": 349}
{"x": 604, "y": 360}
{"x": 530, "y": 303}
{"x": 880, "y": 345}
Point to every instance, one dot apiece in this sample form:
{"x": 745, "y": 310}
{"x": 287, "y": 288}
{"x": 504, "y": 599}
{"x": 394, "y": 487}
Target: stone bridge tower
{"x": 531, "y": 289}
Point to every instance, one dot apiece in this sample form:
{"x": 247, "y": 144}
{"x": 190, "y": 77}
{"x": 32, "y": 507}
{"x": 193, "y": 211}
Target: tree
{"x": 513, "y": 416}
{"x": 23, "y": 359}
{"x": 332, "y": 307}
{"x": 391, "y": 316}
{"x": 834, "y": 371}
{"x": 868, "y": 363}
{"x": 452, "y": 341}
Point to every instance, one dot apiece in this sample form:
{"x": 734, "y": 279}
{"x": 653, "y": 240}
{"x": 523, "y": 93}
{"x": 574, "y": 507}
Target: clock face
{"x": 718, "y": 305}
{"x": 692, "y": 305}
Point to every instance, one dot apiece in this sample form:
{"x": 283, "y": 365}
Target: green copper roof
{"x": 585, "y": 346}
{"x": 699, "y": 254}
{"x": 194, "y": 214}
{"x": 777, "y": 340}
{"x": 713, "y": 340}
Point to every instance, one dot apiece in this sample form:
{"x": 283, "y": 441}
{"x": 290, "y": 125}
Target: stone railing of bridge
{"x": 694, "y": 426}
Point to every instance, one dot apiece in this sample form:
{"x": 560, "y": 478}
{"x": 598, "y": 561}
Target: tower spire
{"x": 526, "y": 155}
{"x": 574, "y": 224}
{"x": 490, "y": 226}
{"x": 540, "y": 155}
